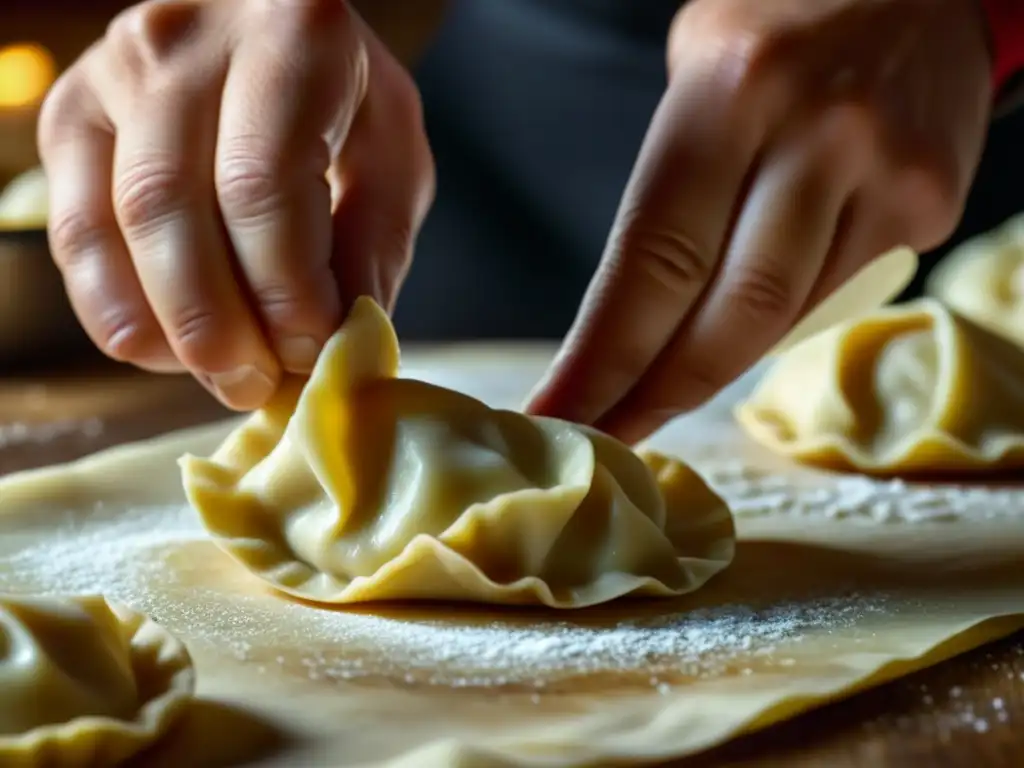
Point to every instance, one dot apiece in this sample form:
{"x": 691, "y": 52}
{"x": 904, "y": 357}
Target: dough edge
{"x": 99, "y": 741}
{"x": 452, "y": 576}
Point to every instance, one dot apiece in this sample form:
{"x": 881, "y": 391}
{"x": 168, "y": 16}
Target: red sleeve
{"x": 1005, "y": 20}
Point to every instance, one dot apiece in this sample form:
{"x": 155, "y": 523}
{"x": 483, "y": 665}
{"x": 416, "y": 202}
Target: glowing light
{"x": 27, "y": 70}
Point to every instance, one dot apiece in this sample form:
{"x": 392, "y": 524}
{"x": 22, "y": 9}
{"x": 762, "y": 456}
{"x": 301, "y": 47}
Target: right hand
{"x": 225, "y": 175}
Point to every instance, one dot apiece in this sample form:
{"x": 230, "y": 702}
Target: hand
{"x": 225, "y": 175}
{"x": 797, "y": 140}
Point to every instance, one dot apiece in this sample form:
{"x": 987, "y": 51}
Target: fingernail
{"x": 299, "y": 353}
{"x": 162, "y": 366}
{"x": 244, "y": 387}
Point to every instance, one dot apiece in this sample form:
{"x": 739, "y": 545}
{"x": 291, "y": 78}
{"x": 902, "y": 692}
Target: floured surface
{"x": 833, "y": 581}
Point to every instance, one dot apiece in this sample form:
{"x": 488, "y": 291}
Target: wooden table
{"x": 968, "y": 711}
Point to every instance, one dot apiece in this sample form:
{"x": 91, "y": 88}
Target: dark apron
{"x": 535, "y": 110}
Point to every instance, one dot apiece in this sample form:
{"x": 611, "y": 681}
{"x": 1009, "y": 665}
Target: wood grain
{"x": 968, "y": 711}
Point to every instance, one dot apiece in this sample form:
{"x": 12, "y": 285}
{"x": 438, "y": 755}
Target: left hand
{"x": 797, "y": 141}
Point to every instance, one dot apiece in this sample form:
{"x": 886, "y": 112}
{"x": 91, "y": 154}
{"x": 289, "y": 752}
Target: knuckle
{"x": 761, "y": 292}
{"x": 757, "y": 54}
{"x": 122, "y": 29}
{"x": 399, "y": 240}
{"x": 125, "y": 336}
{"x": 737, "y": 50}
{"x": 396, "y": 235}
{"x": 74, "y": 232}
{"x": 149, "y": 191}
{"x": 61, "y": 112}
{"x": 249, "y": 182}
{"x": 288, "y": 306}
{"x": 195, "y": 330}
{"x": 699, "y": 381}
{"x": 746, "y": 62}
{"x": 306, "y": 19}
{"x": 671, "y": 258}
{"x": 935, "y": 205}
{"x": 152, "y": 32}
{"x": 851, "y": 123}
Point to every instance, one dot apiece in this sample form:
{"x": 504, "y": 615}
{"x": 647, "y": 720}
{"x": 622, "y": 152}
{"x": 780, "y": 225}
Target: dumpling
{"x": 908, "y": 389}
{"x": 360, "y": 486}
{"x": 24, "y": 203}
{"x": 84, "y": 682}
{"x": 983, "y": 280}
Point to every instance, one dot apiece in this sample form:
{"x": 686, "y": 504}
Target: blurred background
{"x": 535, "y": 110}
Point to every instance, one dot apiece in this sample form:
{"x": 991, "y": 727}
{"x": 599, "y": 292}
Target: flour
{"x": 943, "y": 711}
{"x": 138, "y": 557}
{"x": 110, "y": 552}
{"x": 19, "y": 433}
{"x": 752, "y": 492}
{"x": 693, "y": 644}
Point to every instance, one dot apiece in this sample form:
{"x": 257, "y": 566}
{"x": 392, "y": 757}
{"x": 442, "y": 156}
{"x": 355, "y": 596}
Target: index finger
{"x": 297, "y": 77}
{"x": 668, "y": 235}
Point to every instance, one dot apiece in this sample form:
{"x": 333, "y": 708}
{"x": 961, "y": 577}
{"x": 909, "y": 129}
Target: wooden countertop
{"x": 968, "y": 711}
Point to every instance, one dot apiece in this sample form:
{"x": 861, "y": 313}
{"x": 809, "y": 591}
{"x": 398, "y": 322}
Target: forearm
{"x": 405, "y": 26}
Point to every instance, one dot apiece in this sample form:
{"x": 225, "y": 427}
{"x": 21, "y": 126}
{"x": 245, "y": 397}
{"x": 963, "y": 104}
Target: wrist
{"x": 1004, "y": 22}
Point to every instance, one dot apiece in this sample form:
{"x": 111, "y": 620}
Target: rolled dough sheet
{"x": 838, "y": 584}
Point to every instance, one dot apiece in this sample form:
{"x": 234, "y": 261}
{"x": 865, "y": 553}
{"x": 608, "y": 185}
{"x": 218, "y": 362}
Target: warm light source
{"x": 27, "y": 70}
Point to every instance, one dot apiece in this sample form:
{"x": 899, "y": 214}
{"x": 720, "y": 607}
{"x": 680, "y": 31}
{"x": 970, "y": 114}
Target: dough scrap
{"x": 983, "y": 279}
{"x": 85, "y": 682}
{"x": 24, "y": 203}
{"x": 909, "y": 389}
{"x": 360, "y": 486}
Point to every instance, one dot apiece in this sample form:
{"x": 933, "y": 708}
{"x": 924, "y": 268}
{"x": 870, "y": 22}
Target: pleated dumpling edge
{"x": 85, "y": 682}
{"x": 360, "y": 486}
{"x": 909, "y": 389}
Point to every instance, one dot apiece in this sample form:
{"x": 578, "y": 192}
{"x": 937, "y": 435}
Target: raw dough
{"x": 876, "y": 284}
{"x": 84, "y": 682}
{"x": 983, "y": 279}
{"x": 435, "y": 686}
{"x": 24, "y": 203}
{"x": 913, "y": 388}
{"x": 361, "y": 486}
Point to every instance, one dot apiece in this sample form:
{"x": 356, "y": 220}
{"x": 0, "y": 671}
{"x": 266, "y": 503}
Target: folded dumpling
{"x": 84, "y": 682}
{"x": 983, "y": 279}
{"x": 907, "y": 389}
{"x": 359, "y": 486}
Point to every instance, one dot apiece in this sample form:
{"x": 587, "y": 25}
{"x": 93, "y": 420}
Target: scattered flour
{"x": 752, "y": 492}
{"x": 15, "y": 434}
{"x": 136, "y": 557}
{"x": 699, "y": 643}
{"x": 945, "y": 710}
